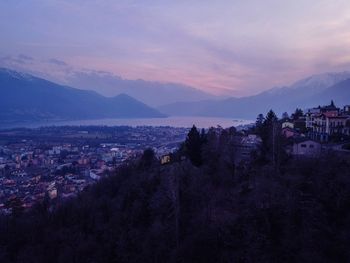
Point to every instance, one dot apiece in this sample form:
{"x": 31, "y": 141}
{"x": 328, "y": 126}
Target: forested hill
{"x": 202, "y": 209}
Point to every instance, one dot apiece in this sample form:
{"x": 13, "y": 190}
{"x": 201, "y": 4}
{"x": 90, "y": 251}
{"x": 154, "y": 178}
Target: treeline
{"x": 202, "y": 207}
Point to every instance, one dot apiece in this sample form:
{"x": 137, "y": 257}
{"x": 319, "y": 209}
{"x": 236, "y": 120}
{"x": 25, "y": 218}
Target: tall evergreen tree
{"x": 193, "y": 146}
{"x": 297, "y": 114}
{"x": 270, "y": 133}
{"x": 148, "y": 157}
{"x": 259, "y": 123}
{"x": 270, "y": 118}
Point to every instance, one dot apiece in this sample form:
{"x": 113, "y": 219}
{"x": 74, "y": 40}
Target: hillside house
{"x": 289, "y": 132}
{"x": 306, "y": 147}
{"x": 288, "y": 124}
{"x": 247, "y": 145}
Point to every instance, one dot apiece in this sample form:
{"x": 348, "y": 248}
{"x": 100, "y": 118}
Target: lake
{"x": 200, "y": 122}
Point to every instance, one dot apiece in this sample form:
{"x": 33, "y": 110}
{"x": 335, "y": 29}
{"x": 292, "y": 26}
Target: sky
{"x": 225, "y": 47}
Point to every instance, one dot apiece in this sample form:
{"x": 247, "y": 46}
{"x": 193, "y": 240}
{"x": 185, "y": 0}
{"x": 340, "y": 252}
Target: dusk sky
{"x": 222, "y": 46}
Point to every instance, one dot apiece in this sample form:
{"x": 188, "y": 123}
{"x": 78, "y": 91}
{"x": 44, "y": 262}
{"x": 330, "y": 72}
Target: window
{"x": 311, "y": 146}
{"x": 303, "y": 146}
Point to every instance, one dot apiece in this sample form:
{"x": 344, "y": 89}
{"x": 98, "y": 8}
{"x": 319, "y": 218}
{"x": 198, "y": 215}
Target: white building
{"x": 307, "y": 148}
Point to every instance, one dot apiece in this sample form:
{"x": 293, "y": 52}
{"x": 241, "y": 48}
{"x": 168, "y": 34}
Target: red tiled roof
{"x": 338, "y": 117}
{"x": 330, "y": 114}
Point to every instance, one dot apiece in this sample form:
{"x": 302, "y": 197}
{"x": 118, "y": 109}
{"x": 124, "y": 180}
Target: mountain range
{"x": 109, "y": 84}
{"x": 25, "y": 97}
{"x": 150, "y": 92}
{"x": 28, "y": 98}
{"x": 313, "y": 91}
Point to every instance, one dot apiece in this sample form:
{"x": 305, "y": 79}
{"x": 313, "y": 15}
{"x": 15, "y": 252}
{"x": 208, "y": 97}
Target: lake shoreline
{"x": 178, "y": 122}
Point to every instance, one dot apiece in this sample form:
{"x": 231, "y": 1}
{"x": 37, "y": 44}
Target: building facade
{"x": 328, "y": 121}
{"x": 307, "y": 148}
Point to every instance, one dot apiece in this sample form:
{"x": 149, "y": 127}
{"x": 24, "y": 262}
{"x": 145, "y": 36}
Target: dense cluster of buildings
{"x": 320, "y": 128}
{"x": 325, "y": 122}
{"x": 58, "y": 162}
{"x": 308, "y": 134}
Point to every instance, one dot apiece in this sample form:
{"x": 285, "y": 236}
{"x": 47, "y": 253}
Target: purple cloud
{"x": 231, "y": 47}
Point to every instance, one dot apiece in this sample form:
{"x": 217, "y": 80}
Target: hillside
{"x": 28, "y": 98}
{"x": 215, "y": 212}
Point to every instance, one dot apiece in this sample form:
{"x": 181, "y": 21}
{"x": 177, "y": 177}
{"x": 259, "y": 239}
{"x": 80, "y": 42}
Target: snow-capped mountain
{"x": 320, "y": 82}
{"x": 16, "y": 74}
{"x": 313, "y": 84}
{"x": 308, "y": 92}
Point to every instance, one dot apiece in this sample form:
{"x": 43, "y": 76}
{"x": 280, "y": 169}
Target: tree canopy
{"x": 296, "y": 211}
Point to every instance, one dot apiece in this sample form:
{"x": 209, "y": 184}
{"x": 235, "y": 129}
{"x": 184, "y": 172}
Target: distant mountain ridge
{"x": 309, "y": 92}
{"x": 25, "y": 97}
{"x": 28, "y": 98}
{"x": 150, "y": 92}
{"x": 109, "y": 84}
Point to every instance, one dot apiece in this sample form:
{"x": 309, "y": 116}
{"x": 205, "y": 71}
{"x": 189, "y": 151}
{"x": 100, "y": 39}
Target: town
{"x": 58, "y": 162}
